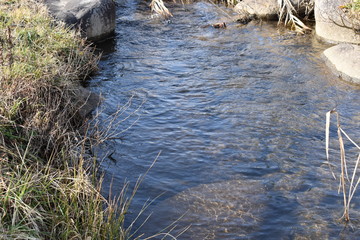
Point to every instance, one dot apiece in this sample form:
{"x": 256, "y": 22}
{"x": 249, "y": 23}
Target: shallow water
{"x": 238, "y": 115}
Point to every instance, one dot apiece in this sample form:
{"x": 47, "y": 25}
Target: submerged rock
{"x": 95, "y": 18}
{"x": 217, "y": 210}
{"x": 344, "y": 60}
{"x": 283, "y": 208}
{"x": 321, "y": 218}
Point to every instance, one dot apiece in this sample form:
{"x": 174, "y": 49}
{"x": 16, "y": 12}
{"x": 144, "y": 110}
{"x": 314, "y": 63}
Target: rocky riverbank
{"x": 335, "y": 23}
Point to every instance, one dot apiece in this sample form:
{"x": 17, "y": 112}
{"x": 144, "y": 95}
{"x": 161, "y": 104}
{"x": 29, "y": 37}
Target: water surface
{"x": 238, "y": 115}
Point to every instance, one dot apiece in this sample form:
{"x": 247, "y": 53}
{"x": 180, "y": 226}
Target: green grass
{"x": 49, "y": 189}
{"x": 355, "y": 5}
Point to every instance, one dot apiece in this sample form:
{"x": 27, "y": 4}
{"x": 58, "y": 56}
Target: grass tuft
{"x": 353, "y": 5}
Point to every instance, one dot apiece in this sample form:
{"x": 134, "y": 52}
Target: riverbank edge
{"x": 50, "y": 187}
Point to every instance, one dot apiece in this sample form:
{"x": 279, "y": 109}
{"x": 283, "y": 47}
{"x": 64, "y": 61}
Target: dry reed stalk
{"x": 288, "y": 12}
{"x": 346, "y": 184}
{"x": 159, "y": 7}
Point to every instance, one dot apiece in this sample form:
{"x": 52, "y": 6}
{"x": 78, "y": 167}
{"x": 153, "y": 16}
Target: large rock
{"x": 263, "y": 9}
{"x": 344, "y": 60}
{"x": 269, "y": 9}
{"x": 334, "y": 23}
{"x": 95, "y": 18}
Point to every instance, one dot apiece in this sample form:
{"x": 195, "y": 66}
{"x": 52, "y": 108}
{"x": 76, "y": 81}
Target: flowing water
{"x": 238, "y": 115}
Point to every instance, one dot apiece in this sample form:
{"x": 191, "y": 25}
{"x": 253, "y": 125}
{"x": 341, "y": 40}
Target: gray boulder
{"x": 95, "y": 18}
{"x": 269, "y": 9}
{"x": 344, "y": 60}
{"x": 336, "y": 24}
{"x": 263, "y": 9}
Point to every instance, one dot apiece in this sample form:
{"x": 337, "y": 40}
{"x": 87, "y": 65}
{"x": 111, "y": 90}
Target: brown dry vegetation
{"x": 46, "y": 190}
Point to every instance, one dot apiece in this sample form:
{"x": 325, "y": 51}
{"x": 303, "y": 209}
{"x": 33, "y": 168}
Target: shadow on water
{"x": 238, "y": 114}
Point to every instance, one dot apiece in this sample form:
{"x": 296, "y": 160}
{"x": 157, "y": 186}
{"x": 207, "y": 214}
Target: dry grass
{"x": 347, "y": 167}
{"x": 49, "y": 185}
{"x": 42, "y": 63}
{"x": 288, "y": 14}
{"x": 159, "y": 8}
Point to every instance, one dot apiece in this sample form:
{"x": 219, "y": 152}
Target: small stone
{"x": 219, "y": 25}
{"x": 264, "y": 9}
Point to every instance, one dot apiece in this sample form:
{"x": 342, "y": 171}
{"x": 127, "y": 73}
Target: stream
{"x": 237, "y": 117}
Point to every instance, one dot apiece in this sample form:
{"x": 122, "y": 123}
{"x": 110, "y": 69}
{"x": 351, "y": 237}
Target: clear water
{"x": 238, "y": 115}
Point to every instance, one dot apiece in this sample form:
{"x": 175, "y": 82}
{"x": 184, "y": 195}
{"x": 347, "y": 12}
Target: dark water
{"x": 238, "y": 115}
